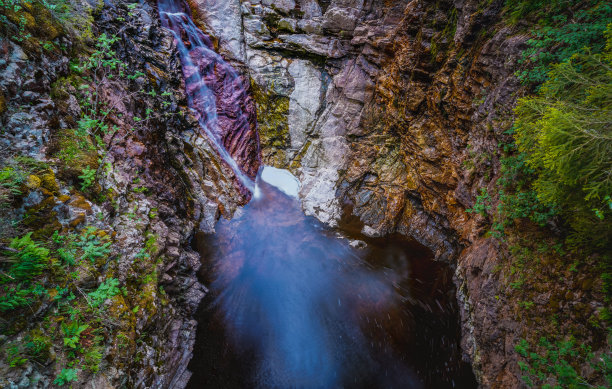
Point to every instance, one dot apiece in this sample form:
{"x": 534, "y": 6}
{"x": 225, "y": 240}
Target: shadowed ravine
{"x": 291, "y": 303}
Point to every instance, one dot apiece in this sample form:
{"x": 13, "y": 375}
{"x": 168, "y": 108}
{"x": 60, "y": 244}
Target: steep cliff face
{"x": 121, "y": 186}
{"x": 393, "y": 112}
{"x": 389, "y": 111}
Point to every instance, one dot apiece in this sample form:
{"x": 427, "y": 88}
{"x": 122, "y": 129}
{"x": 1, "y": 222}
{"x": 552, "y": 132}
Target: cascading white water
{"x": 192, "y": 43}
{"x": 299, "y": 304}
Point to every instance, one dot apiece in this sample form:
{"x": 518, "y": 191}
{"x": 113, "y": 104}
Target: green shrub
{"x": 524, "y": 204}
{"x": 565, "y": 134}
{"x": 563, "y": 28}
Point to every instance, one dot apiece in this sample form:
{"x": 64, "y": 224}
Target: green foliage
{"x": 151, "y": 245}
{"x": 92, "y": 246}
{"x": 108, "y": 289}
{"x": 15, "y": 357}
{"x": 72, "y": 16}
{"x": 524, "y": 204}
{"x": 28, "y": 258}
{"x": 14, "y": 298}
{"x": 10, "y": 183}
{"x": 483, "y": 203}
{"x": 552, "y": 364}
{"x": 13, "y": 176}
{"x": 37, "y": 347}
{"x": 14, "y": 10}
{"x": 564, "y": 28}
{"x": 13, "y": 5}
{"x": 66, "y": 376}
{"x": 565, "y": 135}
{"x": 67, "y": 255}
{"x": 88, "y": 177}
{"x": 72, "y": 333}
{"x": 104, "y": 58}
{"x": 93, "y": 356}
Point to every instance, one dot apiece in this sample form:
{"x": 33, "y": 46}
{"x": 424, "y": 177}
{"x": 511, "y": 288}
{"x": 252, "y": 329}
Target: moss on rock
{"x": 272, "y": 112}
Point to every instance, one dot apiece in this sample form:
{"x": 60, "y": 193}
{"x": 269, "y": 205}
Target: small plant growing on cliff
{"x": 483, "y": 203}
{"x": 549, "y": 364}
{"x": 72, "y": 333}
{"x": 88, "y": 177}
{"x": 66, "y": 376}
{"x": 26, "y": 258}
{"x": 108, "y": 289}
{"x": 10, "y": 182}
{"x": 92, "y": 246}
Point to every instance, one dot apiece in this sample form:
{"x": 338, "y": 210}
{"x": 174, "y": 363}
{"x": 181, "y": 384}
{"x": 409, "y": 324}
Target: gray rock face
{"x": 283, "y": 6}
{"x": 304, "y": 101}
{"x": 224, "y": 21}
{"x": 343, "y": 15}
{"x": 311, "y": 8}
{"x": 25, "y": 127}
{"x": 312, "y": 58}
{"x": 329, "y": 150}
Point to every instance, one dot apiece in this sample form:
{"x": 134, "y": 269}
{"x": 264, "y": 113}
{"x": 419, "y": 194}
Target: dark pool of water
{"x": 294, "y": 305}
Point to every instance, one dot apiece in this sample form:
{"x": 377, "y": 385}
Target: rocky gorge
{"x": 389, "y": 113}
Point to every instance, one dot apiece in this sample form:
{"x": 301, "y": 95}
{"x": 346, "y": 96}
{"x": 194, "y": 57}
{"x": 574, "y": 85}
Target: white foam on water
{"x": 282, "y": 179}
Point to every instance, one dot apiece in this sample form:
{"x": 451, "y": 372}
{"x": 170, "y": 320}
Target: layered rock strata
{"x": 379, "y": 108}
{"x": 159, "y": 181}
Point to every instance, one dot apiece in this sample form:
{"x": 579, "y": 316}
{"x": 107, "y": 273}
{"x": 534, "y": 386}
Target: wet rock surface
{"x": 410, "y": 95}
{"x": 292, "y": 303}
{"x": 158, "y": 182}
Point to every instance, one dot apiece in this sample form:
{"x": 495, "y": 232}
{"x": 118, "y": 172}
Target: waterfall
{"x": 300, "y": 307}
{"x": 217, "y": 95}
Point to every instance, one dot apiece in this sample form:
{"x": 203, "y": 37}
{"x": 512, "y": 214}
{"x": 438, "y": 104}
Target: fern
{"x": 108, "y": 289}
{"x": 28, "y": 258}
{"x": 93, "y": 248}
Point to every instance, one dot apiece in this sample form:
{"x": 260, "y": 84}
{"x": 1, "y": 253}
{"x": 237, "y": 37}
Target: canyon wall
{"x": 158, "y": 181}
{"x": 391, "y": 110}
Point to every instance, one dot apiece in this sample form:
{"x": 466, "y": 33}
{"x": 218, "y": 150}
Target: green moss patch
{"x": 272, "y": 112}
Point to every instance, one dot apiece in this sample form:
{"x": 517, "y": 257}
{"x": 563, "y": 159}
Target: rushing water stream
{"x": 293, "y": 304}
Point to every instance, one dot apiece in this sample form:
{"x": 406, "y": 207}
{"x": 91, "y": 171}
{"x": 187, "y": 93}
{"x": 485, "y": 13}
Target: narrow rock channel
{"x": 293, "y": 303}
{"x": 305, "y": 194}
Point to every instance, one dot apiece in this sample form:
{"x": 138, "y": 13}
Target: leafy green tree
{"x": 565, "y": 132}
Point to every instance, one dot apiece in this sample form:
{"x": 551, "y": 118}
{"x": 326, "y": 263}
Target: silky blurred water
{"x": 203, "y": 66}
{"x": 295, "y": 305}
{"x": 296, "y": 298}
